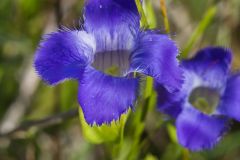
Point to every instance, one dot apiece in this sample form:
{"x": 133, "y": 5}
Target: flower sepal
{"x": 105, "y": 133}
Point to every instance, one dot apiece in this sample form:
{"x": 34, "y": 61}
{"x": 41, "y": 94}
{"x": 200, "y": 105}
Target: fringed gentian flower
{"x": 209, "y": 97}
{"x": 110, "y": 38}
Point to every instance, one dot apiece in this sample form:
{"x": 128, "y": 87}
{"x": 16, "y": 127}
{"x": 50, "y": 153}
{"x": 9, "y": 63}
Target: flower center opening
{"x": 112, "y": 62}
{"x": 204, "y": 99}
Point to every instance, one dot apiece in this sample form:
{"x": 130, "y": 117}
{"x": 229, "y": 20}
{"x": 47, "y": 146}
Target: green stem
{"x": 198, "y": 32}
{"x": 140, "y": 114}
{"x": 149, "y": 87}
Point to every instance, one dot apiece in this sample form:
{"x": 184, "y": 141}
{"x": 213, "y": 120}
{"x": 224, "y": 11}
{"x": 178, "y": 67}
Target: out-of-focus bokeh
{"x": 25, "y": 98}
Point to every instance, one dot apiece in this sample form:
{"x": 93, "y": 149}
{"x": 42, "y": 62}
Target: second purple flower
{"x": 209, "y": 97}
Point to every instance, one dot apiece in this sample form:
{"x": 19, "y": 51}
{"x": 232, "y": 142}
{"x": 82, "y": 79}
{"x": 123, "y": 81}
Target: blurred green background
{"x": 24, "y": 97}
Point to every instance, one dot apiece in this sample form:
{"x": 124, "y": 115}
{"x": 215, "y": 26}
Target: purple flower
{"x": 111, "y": 37}
{"x": 209, "y": 97}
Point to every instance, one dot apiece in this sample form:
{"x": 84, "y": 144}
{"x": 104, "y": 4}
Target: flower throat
{"x": 112, "y": 62}
{"x": 204, "y": 99}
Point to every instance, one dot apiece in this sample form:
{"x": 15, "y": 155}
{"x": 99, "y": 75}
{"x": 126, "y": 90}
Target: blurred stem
{"x": 164, "y": 13}
{"x": 144, "y": 22}
{"x": 42, "y": 123}
{"x": 58, "y": 12}
{"x": 185, "y": 154}
{"x": 198, "y": 32}
{"x": 150, "y": 14}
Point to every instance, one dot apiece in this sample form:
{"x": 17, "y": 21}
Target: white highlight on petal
{"x": 87, "y": 41}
